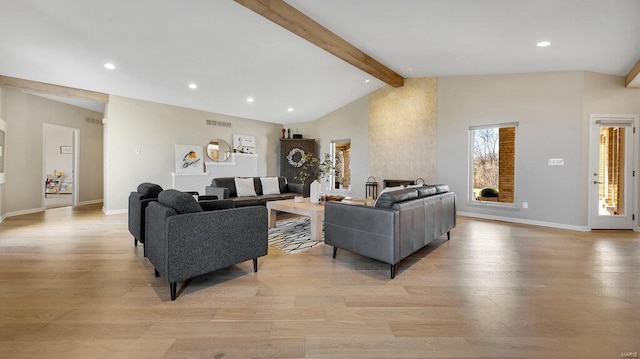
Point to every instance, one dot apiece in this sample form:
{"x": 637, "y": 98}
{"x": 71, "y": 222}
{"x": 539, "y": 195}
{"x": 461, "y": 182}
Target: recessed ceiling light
{"x": 543, "y": 44}
{"x": 250, "y": 99}
{"x": 193, "y": 86}
{"x": 110, "y": 66}
{"x": 410, "y": 68}
{"x": 366, "y": 80}
{"x": 290, "y": 109}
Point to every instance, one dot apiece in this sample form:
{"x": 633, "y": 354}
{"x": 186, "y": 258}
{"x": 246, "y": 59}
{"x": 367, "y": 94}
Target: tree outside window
{"x": 493, "y": 163}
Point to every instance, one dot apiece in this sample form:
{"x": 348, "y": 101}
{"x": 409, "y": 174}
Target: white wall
{"x": 548, "y": 107}
{"x": 155, "y": 129}
{"x": 553, "y": 111}
{"x": 552, "y": 108}
{"x": 54, "y": 160}
{"x": 25, "y": 115}
{"x": 350, "y": 121}
{"x": 606, "y": 94}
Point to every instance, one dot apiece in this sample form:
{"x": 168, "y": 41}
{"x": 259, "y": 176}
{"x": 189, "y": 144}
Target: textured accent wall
{"x": 402, "y": 131}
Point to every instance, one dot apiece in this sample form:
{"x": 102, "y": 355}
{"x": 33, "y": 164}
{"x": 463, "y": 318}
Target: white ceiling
{"x": 160, "y": 46}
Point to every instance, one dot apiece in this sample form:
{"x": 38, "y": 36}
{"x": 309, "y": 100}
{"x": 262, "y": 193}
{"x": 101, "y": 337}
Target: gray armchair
{"x": 186, "y": 238}
{"x": 138, "y": 202}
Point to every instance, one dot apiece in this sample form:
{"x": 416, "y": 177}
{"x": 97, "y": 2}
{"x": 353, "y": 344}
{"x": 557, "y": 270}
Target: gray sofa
{"x": 225, "y": 188}
{"x": 400, "y": 223}
{"x": 186, "y": 238}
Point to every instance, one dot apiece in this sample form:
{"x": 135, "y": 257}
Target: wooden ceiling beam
{"x": 300, "y": 24}
{"x": 633, "y": 76}
{"x": 51, "y": 89}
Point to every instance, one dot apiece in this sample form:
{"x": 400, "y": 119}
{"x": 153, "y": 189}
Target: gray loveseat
{"x": 225, "y": 188}
{"x": 186, "y": 238}
{"x": 400, "y": 223}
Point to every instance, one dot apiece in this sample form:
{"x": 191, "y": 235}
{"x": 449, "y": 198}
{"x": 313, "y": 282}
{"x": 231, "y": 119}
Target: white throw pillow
{"x": 270, "y": 185}
{"x": 244, "y": 187}
{"x": 388, "y": 189}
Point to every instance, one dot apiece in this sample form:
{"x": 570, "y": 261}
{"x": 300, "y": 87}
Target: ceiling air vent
{"x": 218, "y": 123}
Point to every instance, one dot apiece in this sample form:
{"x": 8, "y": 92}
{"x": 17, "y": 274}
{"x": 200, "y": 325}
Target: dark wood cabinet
{"x": 295, "y": 147}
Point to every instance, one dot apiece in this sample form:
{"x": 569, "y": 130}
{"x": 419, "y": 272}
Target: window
{"x": 492, "y": 159}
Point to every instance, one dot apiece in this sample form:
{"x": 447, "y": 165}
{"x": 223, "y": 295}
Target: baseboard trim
{"x": 86, "y": 203}
{"x": 26, "y": 211}
{"x": 2, "y": 218}
{"x": 526, "y": 221}
{"x": 109, "y": 212}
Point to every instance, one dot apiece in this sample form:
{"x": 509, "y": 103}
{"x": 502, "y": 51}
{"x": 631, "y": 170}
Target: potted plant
{"x": 312, "y": 170}
{"x": 489, "y": 194}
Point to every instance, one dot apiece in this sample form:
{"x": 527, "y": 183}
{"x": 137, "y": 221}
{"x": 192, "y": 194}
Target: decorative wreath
{"x": 292, "y": 162}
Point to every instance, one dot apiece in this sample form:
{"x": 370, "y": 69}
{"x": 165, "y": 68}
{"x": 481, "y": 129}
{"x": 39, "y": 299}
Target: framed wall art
{"x": 189, "y": 159}
{"x": 244, "y": 144}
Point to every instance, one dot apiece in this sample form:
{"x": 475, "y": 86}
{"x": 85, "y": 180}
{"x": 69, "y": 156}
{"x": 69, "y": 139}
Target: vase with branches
{"x": 314, "y": 169}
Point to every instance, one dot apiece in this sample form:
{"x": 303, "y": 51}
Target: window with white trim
{"x": 492, "y": 158}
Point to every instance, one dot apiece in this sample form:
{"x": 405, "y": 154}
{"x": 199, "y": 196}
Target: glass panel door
{"x": 612, "y": 144}
{"x": 611, "y": 171}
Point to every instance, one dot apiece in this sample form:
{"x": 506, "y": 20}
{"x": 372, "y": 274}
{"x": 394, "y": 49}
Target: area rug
{"x": 293, "y": 235}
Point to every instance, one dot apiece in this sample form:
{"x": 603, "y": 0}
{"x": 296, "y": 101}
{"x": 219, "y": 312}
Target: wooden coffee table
{"x": 304, "y": 208}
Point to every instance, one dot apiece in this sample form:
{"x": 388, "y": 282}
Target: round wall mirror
{"x": 218, "y": 150}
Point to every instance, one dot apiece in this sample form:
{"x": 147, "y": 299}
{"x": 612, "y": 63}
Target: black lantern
{"x": 371, "y": 188}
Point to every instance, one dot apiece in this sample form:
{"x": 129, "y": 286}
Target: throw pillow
{"x": 244, "y": 187}
{"x": 270, "y": 185}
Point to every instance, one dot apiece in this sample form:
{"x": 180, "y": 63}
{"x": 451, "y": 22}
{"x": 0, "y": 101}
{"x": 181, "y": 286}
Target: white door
{"x": 612, "y": 172}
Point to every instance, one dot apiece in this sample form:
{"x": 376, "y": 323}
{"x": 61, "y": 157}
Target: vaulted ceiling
{"x": 232, "y": 53}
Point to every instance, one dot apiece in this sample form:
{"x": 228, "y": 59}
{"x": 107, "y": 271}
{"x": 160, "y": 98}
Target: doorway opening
{"x": 60, "y": 166}
{"x": 340, "y": 152}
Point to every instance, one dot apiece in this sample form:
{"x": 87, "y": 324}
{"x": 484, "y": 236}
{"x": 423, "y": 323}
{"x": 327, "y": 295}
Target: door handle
{"x": 596, "y": 182}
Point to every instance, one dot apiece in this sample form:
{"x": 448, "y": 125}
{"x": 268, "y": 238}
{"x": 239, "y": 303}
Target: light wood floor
{"x": 72, "y": 285}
